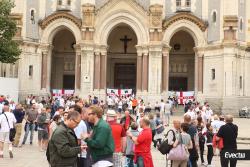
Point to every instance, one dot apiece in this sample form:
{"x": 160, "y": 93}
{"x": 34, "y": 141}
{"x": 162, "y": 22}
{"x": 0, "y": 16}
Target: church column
{"x": 200, "y": 73}
{"x": 145, "y": 72}
{"x": 103, "y": 68}
{"x": 97, "y": 70}
{"x": 78, "y": 70}
{"x": 139, "y": 72}
{"x": 44, "y": 69}
{"x": 165, "y": 68}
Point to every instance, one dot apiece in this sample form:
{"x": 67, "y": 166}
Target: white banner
{"x": 58, "y": 93}
{"x": 183, "y": 97}
{"x": 119, "y": 92}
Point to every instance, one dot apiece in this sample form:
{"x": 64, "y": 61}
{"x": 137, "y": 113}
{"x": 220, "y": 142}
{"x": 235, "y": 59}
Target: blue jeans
{"x": 30, "y": 127}
{"x": 129, "y": 162}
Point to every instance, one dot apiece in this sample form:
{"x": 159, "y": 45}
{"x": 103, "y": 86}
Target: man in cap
{"x": 119, "y": 136}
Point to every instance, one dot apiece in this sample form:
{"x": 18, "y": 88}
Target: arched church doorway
{"x": 122, "y": 58}
{"x": 182, "y": 62}
{"x": 63, "y": 60}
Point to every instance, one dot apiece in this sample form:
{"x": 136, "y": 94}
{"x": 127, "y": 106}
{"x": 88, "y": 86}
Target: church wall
{"x": 76, "y": 8}
{"x": 213, "y": 60}
{"x": 170, "y": 8}
{"x": 32, "y": 26}
{"x": 242, "y": 15}
{"x": 214, "y": 28}
{"x": 29, "y": 84}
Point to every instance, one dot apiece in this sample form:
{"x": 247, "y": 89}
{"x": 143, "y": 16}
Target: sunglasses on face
{"x": 77, "y": 122}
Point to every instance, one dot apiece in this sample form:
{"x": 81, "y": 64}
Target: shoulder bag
{"x": 12, "y": 131}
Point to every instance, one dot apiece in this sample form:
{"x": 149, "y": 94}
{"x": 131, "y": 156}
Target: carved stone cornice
{"x": 57, "y": 15}
{"x": 155, "y": 16}
{"x": 230, "y": 21}
{"x": 111, "y": 3}
{"x": 185, "y": 16}
{"x": 88, "y": 12}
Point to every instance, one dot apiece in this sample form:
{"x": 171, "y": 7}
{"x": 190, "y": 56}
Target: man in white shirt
{"x": 209, "y": 113}
{"x": 191, "y": 113}
{"x": 162, "y": 109}
{"x": 7, "y": 121}
{"x": 167, "y": 112}
{"x": 79, "y": 130}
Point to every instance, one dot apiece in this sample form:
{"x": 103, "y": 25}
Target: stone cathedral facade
{"x": 151, "y": 46}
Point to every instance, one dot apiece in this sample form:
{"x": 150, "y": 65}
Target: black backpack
{"x": 164, "y": 147}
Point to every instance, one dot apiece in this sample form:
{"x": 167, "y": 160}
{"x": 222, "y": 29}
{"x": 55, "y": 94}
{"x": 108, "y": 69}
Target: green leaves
{"x": 9, "y": 50}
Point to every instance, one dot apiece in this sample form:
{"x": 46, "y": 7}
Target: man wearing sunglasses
{"x": 100, "y": 141}
{"x": 63, "y": 147}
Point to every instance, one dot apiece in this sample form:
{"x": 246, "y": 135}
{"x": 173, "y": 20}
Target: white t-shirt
{"x": 120, "y": 104}
{"x": 4, "y": 123}
{"x": 79, "y": 130}
{"x": 110, "y": 101}
{"x": 167, "y": 108}
{"x": 192, "y": 114}
{"x": 216, "y": 124}
{"x": 209, "y": 113}
{"x": 162, "y": 105}
{"x": 62, "y": 102}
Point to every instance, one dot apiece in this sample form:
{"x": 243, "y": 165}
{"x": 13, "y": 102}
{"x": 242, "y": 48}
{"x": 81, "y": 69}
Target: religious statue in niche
{"x": 125, "y": 41}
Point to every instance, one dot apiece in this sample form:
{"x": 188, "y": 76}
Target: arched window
{"x": 178, "y": 3}
{"x": 188, "y": 3}
{"x": 59, "y": 2}
{"x": 69, "y": 2}
{"x": 32, "y": 16}
{"x": 214, "y": 17}
{"x": 241, "y": 24}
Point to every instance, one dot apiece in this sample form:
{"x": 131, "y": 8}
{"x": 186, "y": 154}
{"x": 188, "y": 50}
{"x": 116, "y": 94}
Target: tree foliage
{"x": 9, "y": 49}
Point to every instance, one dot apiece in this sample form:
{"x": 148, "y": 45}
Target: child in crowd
{"x": 129, "y": 150}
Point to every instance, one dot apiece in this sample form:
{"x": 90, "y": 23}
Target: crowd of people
{"x": 117, "y": 132}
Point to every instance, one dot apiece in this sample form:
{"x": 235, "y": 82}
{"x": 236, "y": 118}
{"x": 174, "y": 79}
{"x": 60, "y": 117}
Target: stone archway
{"x": 50, "y": 26}
{"x": 105, "y": 25}
{"x": 196, "y": 28}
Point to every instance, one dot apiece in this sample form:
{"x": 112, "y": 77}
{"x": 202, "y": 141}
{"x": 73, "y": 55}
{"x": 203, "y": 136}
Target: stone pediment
{"x": 134, "y": 3}
{"x": 57, "y": 15}
{"x": 185, "y": 16}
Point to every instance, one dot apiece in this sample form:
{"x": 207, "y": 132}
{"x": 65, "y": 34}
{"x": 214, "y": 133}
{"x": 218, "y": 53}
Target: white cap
{"x": 111, "y": 113}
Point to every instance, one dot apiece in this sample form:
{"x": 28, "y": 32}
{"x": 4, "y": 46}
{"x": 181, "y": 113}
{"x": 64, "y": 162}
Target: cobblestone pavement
{"x": 30, "y": 156}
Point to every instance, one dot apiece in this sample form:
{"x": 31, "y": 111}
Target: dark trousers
{"x": 201, "y": 146}
{"x": 153, "y": 135}
{"x": 193, "y": 163}
{"x": 133, "y": 109}
{"x": 224, "y": 162}
{"x": 210, "y": 154}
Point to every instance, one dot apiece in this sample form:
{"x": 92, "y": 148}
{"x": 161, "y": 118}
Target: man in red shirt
{"x": 119, "y": 136}
{"x": 143, "y": 157}
{"x": 126, "y": 120}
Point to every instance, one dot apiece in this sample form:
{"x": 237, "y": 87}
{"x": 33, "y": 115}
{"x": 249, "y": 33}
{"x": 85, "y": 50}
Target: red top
{"x": 117, "y": 132}
{"x": 127, "y": 122}
{"x": 143, "y": 147}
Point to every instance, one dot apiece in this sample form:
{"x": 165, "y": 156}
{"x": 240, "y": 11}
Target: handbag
{"x": 12, "y": 131}
{"x": 164, "y": 147}
{"x": 179, "y": 153}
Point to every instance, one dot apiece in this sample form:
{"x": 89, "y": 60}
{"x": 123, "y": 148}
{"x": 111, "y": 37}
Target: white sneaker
{"x": 204, "y": 163}
{"x": 209, "y": 166}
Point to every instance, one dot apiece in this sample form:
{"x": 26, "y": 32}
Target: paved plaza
{"x": 30, "y": 156}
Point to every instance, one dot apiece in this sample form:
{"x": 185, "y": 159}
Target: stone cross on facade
{"x": 125, "y": 40}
